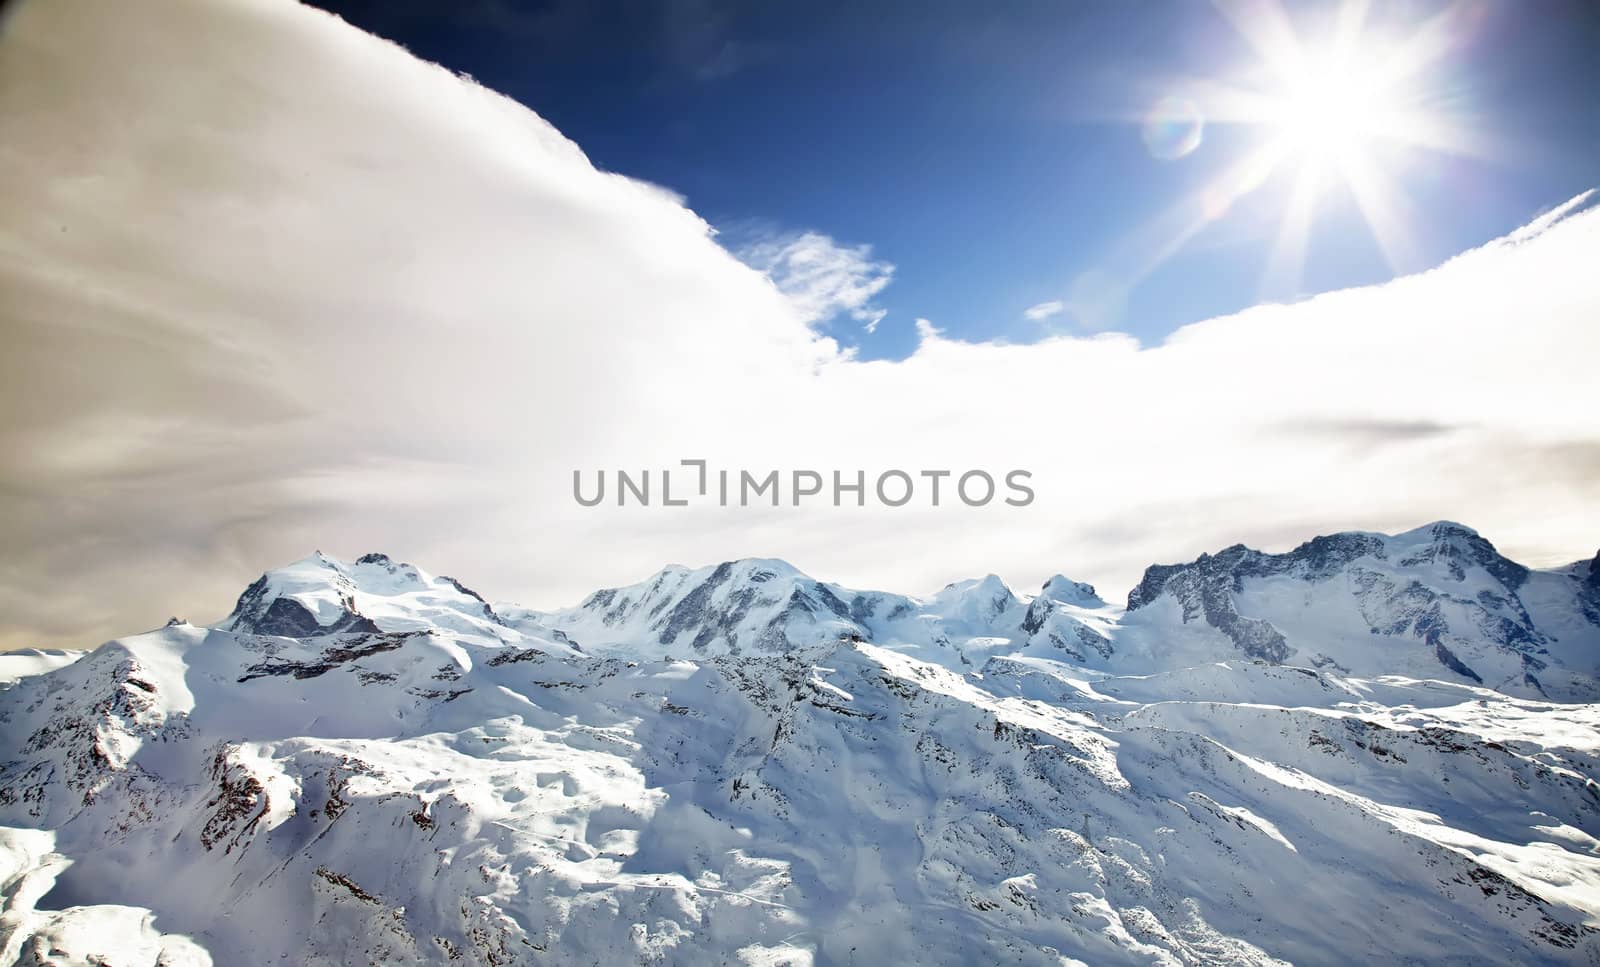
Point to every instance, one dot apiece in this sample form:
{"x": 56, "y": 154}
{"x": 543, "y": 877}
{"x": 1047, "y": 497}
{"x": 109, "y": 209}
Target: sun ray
{"x": 1384, "y": 209}
{"x": 1285, "y": 269}
{"x": 1210, "y": 202}
{"x": 1266, "y": 28}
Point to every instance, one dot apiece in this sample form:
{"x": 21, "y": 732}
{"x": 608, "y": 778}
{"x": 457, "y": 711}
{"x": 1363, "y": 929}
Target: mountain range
{"x": 1371, "y": 748}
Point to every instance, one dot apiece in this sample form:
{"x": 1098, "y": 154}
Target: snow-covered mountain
{"x": 1369, "y": 749}
{"x": 754, "y": 607}
{"x": 1438, "y": 601}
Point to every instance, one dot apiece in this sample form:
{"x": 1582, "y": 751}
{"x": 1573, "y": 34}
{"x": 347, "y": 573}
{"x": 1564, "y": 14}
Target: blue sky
{"x": 993, "y": 153}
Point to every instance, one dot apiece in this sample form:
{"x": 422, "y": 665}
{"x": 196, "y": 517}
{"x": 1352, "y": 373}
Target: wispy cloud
{"x": 821, "y": 278}
{"x": 245, "y": 316}
{"x": 1372, "y": 432}
{"x": 1044, "y": 310}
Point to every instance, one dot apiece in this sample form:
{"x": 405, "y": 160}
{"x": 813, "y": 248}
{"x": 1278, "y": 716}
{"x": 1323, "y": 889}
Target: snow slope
{"x": 16, "y": 665}
{"x": 364, "y": 763}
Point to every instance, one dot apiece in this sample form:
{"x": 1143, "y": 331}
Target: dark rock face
{"x": 616, "y": 606}
{"x": 288, "y": 618}
{"x": 1317, "y": 559}
{"x": 1589, "y": 590}
{"x": 1080, "y": 639}
{"x": 239, "y": 805}
{"x": 342, "y": 652}
{"x": 291, "y": 619}
{"x": 693, "y": 610}
{"x": 1207, "y": 589}
{"x": 863, "y": 607}
{"x": 1448, "y": 659}
{"x": 1038, "y": 610}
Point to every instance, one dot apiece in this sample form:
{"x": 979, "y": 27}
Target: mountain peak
{"x": 315, "y": 560}
{"x": 1438, "y": 531}
{"x": 1458, "y": 548}
{"x": 1067, "y": 591}
{"x": 1433, "y": 600}
{"x": 321, "y": 595}
{"x": 988, "y": 584}
{"x": 770, "y": 567}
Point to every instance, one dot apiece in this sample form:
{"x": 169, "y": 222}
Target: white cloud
{"x": 1044, "y": 310}
{"x": 822, "y": 278}
{"x": 272, "y": 285}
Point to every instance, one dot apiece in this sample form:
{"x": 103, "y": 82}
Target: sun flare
{"x": 1331, "y": 106}
{"x": 1346, "y": 107}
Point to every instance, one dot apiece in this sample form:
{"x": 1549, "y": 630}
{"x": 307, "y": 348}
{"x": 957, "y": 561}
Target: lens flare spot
{"x": 1214, "y": 203}
{"x": 1173, "y": 128}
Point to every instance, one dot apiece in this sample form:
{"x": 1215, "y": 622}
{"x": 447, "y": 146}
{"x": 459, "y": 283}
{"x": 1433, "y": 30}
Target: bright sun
{"x": 1330, "y": 106}
{"x": 1348, "y": 107}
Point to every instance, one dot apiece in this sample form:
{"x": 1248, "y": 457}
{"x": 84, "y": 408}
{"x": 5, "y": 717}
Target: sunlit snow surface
{"x": 894, "y": 780}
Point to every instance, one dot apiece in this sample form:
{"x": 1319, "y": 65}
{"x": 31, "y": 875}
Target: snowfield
{"x": 1371, "y": 749}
